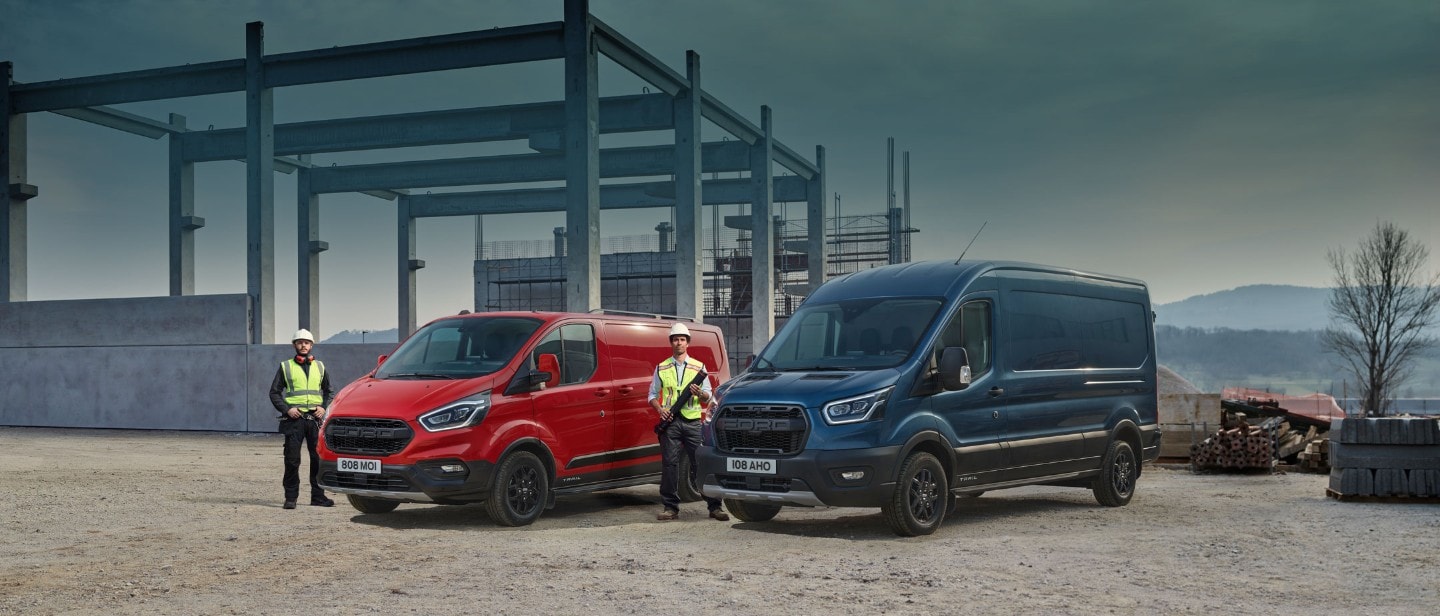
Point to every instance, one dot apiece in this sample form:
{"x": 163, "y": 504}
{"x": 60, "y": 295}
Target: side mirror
{"x": 549, "y": 367}
{"x": 954, "y": 369}
{"x": 381, "y": 359}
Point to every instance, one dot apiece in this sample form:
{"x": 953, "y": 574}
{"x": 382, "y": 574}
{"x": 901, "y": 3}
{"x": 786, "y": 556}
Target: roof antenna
{"x": 972, "y": 241}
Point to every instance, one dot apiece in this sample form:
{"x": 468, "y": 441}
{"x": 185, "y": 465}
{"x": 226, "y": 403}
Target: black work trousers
{"x": 678, "y": 434}
{"x": 307, "y": 430}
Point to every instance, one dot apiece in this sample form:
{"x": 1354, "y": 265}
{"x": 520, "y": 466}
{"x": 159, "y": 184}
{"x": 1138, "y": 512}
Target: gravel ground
{"x": 131, "y": 522}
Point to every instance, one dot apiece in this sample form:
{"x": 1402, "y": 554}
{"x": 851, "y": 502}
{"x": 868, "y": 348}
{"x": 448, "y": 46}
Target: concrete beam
{"x": 621, "y": 114}
{"x": 725, "y": 156}
{"x": 645, "y": 66}
{"x": 612, "y": 197}
{"x": 416, "y": 55}
{"x": 125, "y": 121}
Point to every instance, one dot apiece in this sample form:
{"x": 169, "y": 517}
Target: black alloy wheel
{"x": 921, "y": 497}
{"x": 520, "y": 491}
{"x": 1116, "y": 484}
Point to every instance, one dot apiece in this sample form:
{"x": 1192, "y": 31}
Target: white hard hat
{"x": 679, "y": 329}
{"x": 302, "y": 334}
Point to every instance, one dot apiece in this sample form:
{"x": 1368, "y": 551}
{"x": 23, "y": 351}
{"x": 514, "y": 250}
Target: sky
{"x": 1198, "y": 146}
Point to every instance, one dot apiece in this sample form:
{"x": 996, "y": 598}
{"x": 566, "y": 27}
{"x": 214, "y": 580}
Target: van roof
{"x": 549, "y": 317}
{"x": 935, "y": 278}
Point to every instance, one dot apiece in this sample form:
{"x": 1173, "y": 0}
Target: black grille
{"x": 371, "y": 437}
{"x": 753, "y": 483}
{"x": 363, "y": 481}
{"x": 760, "y": 429}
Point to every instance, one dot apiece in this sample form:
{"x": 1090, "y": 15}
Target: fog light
{"x": 852, "y": 475}
{"x": 452, "y": 468}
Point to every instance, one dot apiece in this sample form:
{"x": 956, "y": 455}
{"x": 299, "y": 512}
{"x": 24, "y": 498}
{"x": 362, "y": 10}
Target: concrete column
{"x": 582, "y": 160}
{"x": 481, "y": 272}
{"x": 308, "y": 249}
{"x": 259, "y": 189}
{"x": 183, "y": 221}
{"x": 762, "y": 237}
{"x": 689, "y": 267}
{"x": 815, "y": 215}
{"x": 406, "y": 264}
{"x": 14, "y": 196}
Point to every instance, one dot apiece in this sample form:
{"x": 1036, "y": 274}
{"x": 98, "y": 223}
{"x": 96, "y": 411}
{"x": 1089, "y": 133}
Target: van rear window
{"x": 1052, "y": 331}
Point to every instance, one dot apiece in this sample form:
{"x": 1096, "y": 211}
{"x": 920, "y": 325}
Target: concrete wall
{"x": 1186, "y": 419}
{"x": 171, "y": 363}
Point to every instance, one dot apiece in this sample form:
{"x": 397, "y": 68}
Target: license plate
{"x": 750, "y": 465}
{"x": 356, "y": 465}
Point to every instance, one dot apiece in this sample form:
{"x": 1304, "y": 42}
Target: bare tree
{"x": 1383, "y": 304}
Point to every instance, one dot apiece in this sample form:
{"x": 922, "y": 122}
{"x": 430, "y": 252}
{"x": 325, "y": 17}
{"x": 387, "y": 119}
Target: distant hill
{"x": 1261, "y": 306}
{"x": 355, "y": 336}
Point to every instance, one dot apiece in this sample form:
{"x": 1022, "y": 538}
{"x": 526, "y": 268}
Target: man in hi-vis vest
{"x": 301, "y": 392}
{"x": 672, "y": 377}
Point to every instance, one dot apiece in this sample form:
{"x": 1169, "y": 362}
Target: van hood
{"x": 810, "y": 389}
{"x": 405, "y": 398}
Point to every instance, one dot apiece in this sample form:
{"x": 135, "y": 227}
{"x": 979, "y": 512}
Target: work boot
{"x": 289, "y": 503}
{"x": 322, "y": 502}
{"x": 720, "y": 515}
{"x": 668, "y": 514}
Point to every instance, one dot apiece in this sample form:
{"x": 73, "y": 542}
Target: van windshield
{"x": 858, "y": 334}
{"x": 460, "y": 348}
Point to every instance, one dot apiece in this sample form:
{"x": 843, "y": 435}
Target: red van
{"x": 509, "y": 409}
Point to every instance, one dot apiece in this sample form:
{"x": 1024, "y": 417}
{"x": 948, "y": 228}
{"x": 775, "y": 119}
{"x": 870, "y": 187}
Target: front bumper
{"x": 422, "y": 482}
{"x": 808, "y": 479}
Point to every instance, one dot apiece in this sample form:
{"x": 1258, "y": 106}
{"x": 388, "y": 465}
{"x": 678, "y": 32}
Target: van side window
{"x": 1053, "y": 331}
{"x": 969, "y": 328}
{"x": 574, "y": 346}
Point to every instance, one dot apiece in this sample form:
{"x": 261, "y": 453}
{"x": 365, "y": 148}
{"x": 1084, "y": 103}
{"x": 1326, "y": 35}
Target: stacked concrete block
{"x": 1385, "y": 456}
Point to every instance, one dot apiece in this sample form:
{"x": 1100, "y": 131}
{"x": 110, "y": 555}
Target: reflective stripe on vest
{"x": 303, "y": 390}
{"x": 670, "y": 386}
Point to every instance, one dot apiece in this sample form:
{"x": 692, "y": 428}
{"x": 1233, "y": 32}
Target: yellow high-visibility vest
{"x": 302, "y": 390}
{"x": 670, "y": 386}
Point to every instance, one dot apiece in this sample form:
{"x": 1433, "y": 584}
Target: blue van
{"x": 907, "y": 386}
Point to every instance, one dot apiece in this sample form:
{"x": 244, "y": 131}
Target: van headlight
{"x": 455, "y": 415}
{"x": 859, "y": 408}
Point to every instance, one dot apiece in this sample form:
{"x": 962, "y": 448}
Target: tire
{"x": 521, "y": 490}
{"x": 918, "y": 504}
{"x": 365, "y": 504}
{"x": 1118, "y": 472}
{"x": 747, "y": 511}
{"x": 689, "y": 484}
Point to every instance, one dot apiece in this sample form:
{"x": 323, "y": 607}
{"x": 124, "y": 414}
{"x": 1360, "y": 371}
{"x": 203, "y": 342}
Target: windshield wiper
{"x": 758, "y": 367}
{"x": 420, "y": 375}
{"x": 818, "y": 369}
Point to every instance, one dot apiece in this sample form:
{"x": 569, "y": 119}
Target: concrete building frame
{"x": 570, "y": 127}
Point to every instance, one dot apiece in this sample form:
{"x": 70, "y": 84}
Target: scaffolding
{"x": 637, "y": 272}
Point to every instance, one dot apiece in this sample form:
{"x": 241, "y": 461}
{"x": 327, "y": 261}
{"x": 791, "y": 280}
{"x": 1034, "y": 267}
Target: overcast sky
{"x": 1197, "y": 145}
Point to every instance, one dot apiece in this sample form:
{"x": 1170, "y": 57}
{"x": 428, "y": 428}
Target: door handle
{"x": 625, "y": 389}
{"x": 602, "y": 392}
{"x": 996, "y": 392}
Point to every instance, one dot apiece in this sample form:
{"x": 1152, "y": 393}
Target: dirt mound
{"x": 1171, "y": 383}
